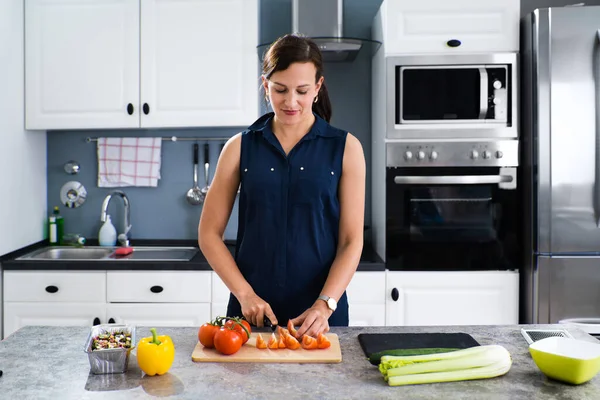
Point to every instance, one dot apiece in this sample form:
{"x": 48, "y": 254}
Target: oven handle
{"x": 452, "y": 179}
{"x": 483, "y": 93}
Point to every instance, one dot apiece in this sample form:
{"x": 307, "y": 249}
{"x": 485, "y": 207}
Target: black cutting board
{"x": 376, "y": 342}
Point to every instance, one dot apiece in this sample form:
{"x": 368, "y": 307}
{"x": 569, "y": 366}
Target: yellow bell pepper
{"x": 155, "y": 354}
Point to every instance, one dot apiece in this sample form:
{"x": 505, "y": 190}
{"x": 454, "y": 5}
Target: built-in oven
{"x": 452, "y": 206}
{"x": 452, "y": 96}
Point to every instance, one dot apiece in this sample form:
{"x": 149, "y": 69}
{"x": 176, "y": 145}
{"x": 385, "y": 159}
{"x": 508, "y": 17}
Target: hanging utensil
{"x": 194, "y": 195}
{"x": 204, "y": 190}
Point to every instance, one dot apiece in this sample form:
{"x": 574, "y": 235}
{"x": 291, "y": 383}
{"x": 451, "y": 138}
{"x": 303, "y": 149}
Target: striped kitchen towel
{"x": 128, "y": 161}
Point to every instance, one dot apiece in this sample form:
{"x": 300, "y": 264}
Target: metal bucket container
{"x": 109, "y": 361}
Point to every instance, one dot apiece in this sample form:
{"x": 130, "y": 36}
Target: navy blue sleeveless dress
{"x": 289, "y": 216}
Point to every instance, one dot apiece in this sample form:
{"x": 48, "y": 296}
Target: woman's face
{"x": 292, "y": 92}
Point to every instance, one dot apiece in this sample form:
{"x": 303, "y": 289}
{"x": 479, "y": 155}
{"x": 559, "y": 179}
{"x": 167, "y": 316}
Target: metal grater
{"x": 533, "y": 335}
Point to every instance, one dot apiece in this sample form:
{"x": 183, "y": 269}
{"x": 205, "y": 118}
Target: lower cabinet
{"x": 452, "y": 298}
{"x": 53, "y": 298}
{"x": 20, "y": 314}
{"x": 153, "y": 315}
{"x": 366, "y": 298}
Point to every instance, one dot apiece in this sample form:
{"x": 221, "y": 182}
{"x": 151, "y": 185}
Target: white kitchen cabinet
{"x": 81, "y": 64}
{"x": 220, "y": 297}
{"x": 366, "y": 298}
{"x": 427, "y": 26}
{"x": 159, "y": 314}
{"x": 159, "y": 298}
{"x": 53, "y": 298}
{"x": 452, "y": 298}
{"x": 141, "y": 63}
{"x": 158, "y": 286}
{"x": 20, "y": 314}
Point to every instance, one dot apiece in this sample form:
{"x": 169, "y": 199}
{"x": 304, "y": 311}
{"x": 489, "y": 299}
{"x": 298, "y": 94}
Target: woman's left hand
{"x": 313, "y": 321}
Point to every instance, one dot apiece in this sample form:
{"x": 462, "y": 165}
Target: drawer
{"x": 158, "y": 287}
{"x": 54, "y": 286}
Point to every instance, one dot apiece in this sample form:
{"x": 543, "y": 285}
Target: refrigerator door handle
{"x": 596, "y": 66}
{"x": 483, "y": 92}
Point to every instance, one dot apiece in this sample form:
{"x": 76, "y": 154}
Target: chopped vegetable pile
{"x": 115, "y": 340}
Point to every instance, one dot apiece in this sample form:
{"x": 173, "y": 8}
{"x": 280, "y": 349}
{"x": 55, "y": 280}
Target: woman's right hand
{"x": 255, "y": 309}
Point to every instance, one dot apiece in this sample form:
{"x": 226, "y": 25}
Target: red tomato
{"x": 291, "y": 329}
{"x": 323, "y": 341}
{"x": 233, "y": 324}
{"x": 260, "y": 342}
{"x": 206, "y": 334}
{"x": 273, "y": 345}
{"x": 228, "y": 341}
{"x": 291, "y": 342}
{"x": 309, "y": 342}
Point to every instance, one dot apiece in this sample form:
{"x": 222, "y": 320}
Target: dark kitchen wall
{"x": 162, "y": 212}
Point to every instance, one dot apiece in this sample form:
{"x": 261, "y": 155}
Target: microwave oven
{"x": 452, "y": 96}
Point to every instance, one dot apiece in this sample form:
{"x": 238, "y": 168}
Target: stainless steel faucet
{"x": 123, "y": 239}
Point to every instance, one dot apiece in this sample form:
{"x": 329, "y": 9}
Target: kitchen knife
{"x": 267, "y": 323}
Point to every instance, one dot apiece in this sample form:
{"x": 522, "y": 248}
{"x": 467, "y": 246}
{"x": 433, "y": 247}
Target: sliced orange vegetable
{"x": 281, "y": 342}
{"x": 291, "y": 342}
{"x": 291, "y": 329}
{"x": 323, "y": 341}
{"x": 273, "y": 342}
{"x": 260, "y": 342}
{"x": 309, "y": 343}
{"x": 282, "y": 331}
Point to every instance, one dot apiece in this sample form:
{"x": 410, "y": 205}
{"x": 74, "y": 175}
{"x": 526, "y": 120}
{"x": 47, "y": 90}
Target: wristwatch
{"x": 331, "y": 303}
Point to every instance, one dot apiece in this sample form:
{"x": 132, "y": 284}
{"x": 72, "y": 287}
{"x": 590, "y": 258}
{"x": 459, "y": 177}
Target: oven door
{"x": 440, "y": 219}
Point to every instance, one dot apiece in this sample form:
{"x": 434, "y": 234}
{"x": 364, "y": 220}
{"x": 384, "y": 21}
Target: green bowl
{"x": 567, "y": 360}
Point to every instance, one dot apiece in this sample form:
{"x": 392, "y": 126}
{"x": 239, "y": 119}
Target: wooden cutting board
{"x": 249, "y": 353}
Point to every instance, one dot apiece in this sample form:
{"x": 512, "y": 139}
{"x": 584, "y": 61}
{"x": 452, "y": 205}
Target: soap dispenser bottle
{"x": 108, "y": 234}
{"x": 55, "y": 227}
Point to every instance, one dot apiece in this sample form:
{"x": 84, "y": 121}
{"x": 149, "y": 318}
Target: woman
{"x": 301, "y": 206}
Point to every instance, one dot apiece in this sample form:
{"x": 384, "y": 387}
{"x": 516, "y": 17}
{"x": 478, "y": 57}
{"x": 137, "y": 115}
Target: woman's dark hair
{"x": 290, "y": 49}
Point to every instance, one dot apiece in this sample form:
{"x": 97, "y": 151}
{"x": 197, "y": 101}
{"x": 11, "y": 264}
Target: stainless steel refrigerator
{"x": 560, "y": 128}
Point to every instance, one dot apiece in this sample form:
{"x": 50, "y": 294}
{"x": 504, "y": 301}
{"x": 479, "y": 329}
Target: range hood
{"x": 323, "y": 22}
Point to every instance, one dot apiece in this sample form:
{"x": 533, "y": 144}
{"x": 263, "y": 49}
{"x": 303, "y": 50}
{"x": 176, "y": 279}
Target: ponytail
{"x": 323, "y": 105}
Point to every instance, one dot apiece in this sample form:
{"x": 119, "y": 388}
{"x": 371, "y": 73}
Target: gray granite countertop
{"x": 36, "y": 365}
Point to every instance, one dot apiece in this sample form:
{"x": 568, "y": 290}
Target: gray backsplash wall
{"x": 162, "y": 212}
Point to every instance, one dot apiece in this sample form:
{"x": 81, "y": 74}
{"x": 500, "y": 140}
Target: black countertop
{"x": 370, "y": 261}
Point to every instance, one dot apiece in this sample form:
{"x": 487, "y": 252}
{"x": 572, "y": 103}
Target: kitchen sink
{"x": 97, "y": 253}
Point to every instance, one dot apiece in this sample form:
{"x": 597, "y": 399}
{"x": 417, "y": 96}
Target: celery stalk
{"x": 473, "y": 363}
{"x": 490, "y": 371}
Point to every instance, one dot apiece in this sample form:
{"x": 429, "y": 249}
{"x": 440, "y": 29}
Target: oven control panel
{"x": 496, "y": 153}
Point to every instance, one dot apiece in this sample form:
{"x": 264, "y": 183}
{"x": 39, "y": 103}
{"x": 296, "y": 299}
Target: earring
{"x": 316, "y": 98}
{"x": 267, "y": 98}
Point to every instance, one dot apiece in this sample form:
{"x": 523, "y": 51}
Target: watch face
{"x": 332, "y": 304}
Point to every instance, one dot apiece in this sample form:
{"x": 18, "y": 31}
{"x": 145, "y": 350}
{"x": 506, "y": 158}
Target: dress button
{"x": 301, "y": 168}
{"x": 272, "y": 169}
{"x": 245, "y": 169}
{"x": 332, "y": 173}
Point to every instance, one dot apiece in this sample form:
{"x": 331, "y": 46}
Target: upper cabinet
{"x": 447, "y": 27}
{"x": 140, "y": 63}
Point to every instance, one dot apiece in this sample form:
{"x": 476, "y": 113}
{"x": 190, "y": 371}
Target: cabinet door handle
{"x": 395, "y": 294}
{"x": 51, "y": 289}
{"x": 130, "y": 109}
{"x": 156, "y": 289}
{"x": 111, "y": 321}
{"x": 96, "y": 321}
{"x": 146, "y": 108}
